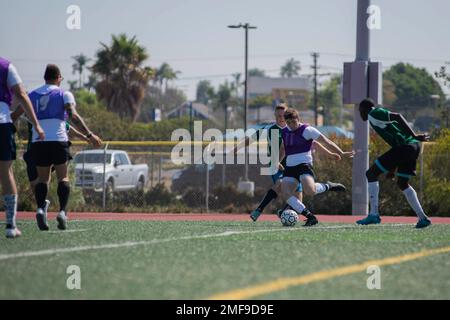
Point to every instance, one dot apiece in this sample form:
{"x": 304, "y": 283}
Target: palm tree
{"x": 78, "y": 67}
{"x": 290, "y": 68}
{"x": 165, "y": 73}
{"x": 122, "y": 78}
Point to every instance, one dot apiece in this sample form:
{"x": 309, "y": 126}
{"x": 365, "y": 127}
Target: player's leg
{"x": 386, "y": 163}
{"x": 289, "y": 190}
{"x": 40, "y": 193}
{"x": 7, "y": 181}
{"x": 63, "y": 194}
{"x": 373, "y": 187}
{"x": 33, "y": 174}
{"x": 311, "y": 187}
{"x": 405, "y": 171}
{"x": 9, "y": 193}
{"x": 271, "y": 194}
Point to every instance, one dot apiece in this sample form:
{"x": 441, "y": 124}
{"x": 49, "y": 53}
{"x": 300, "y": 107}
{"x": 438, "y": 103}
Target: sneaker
{"x": 310, "y": 220}
{"x": 332, "y": 186}
{"x": 423, "y": 223}
{"x": 61, "y": 218}
{"x": 41, "y": 219}
{"x": 12, "y": 233}
{"x": 255, "y": 214}
{"x": 370, "y": 219}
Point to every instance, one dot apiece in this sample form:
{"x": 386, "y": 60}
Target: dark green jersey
{"x": 390, "y": 131}
{"x": 269, "y": 129}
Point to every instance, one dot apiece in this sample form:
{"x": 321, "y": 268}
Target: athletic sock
{"x": 11, "y": 209}
{"x": 63, "y": 194}
{"x": 40, "y": 193}
{"x": 270, "y": 195}
{"x": 413, "y": 201}
{"x": 374, "y": 189}
{"x": 296, "y": 204}
{"x": 321, "y": 188}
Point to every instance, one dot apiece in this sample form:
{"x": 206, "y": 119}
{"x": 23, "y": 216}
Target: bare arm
{"x": 334, "y": 148}
{"x": 25, "y": 104}
{"x": 74, "y": 133}
{"x": 405, "y": 126}
{"x": 16, "y": 114}
{"x": 318, "y": 146}
{"x": 78, "y": 122}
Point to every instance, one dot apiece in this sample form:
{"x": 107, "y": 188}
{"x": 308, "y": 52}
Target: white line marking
{"x": 157, "y": 241}
{"x": 68, "y": 231}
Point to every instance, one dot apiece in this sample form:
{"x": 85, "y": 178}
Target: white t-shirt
{"x": 12, "y": 79}
{"x": 310, "y": 133}
{"x": 55, "y": 129}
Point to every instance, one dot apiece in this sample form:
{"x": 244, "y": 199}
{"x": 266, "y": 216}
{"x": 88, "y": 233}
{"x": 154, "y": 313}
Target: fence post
{"x": 160, "y": 168}
{"x": 151, "y": 172}
{"x": 207, "y": 188}
{"x": 104, "y": 177}
{"x": 421, "y": 173}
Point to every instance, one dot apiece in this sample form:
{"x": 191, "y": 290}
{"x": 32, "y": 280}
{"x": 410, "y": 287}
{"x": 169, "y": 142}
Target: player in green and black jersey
{"x": 405, "y": 149}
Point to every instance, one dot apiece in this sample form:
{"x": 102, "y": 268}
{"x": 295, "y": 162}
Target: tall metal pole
{"x": 245, "y": 100}
{"x": 360, "y": 198}
{"x": 315, "y": 55}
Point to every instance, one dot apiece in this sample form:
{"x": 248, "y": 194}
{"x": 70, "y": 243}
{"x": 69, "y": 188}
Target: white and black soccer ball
{"x": 289, "y": 218}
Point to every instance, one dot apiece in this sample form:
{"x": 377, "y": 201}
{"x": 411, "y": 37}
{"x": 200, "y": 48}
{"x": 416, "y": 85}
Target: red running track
{"x": 105, "y": 216}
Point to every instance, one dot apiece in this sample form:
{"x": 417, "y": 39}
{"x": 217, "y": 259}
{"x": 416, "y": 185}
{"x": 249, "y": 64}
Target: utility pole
{"x": 246, "y": 27}
{"x": 360, "y": 196}
{"x": 315, "y": 55}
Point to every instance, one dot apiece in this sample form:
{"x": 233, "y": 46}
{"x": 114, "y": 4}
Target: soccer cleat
{"x": 62, "y": 220}
{"x": 12, "y": 233}
{"x": 310, "y": 220}
{"x": 41, "y": 219}
{"x": 255, "y": 214}
{"x": 332, "y": 186}
{"x": 370, "y": 219}
{"x": 423, "y": 223}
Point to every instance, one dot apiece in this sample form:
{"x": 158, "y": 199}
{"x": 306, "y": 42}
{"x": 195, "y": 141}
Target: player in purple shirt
{"x": 297, "y": 142}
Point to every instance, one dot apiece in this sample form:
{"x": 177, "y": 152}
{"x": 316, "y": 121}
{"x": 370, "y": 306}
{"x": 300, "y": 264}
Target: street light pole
{"x": 246, "y": 27}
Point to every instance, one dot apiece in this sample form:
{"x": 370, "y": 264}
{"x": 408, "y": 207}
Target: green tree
{"x": 255, "y": 72}
{"x": 389, "y": 96}
{"x": 123, "y": 78}
{"x": 205, "y": 92}
{"x": 165, "y": 73}
{"x": 290, "y": 69}
{"x": 413, "y": 86}
{"x": 78, "y": 67}
{"x": 259, "y": 102}
{"x": 330, "y": 98}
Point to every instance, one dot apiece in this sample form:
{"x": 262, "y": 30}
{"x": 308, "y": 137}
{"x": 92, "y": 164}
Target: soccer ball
{"x": 289, "y": 218}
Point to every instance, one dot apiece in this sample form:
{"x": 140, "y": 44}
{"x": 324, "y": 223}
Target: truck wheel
{"x": 140, "y": 185}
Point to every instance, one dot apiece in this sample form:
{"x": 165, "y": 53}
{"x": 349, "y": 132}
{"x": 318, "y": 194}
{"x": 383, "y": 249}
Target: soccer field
{"x": 226, "y": 260}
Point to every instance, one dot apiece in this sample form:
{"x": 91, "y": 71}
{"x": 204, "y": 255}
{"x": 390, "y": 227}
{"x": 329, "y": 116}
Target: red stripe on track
{"x": 104, "y": 216}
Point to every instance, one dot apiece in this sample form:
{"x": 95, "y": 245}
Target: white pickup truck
{"x": 120, "y": 174}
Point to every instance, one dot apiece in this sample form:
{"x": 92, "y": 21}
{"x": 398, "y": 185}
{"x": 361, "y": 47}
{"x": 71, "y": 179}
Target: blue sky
{"x": 191, "y": 35}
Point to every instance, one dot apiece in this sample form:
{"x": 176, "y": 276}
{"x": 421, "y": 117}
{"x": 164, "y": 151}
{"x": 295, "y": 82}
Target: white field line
{"x": 67, "y": 231}
{"x": 48, "y": 252}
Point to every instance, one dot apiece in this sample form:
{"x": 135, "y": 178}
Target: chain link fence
{"x": 151, "y": 182}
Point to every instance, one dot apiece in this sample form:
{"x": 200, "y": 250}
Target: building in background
{"x": 295, "y": 92}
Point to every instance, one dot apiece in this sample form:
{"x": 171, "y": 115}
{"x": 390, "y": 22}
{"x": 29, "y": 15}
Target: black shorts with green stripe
{"x": 402, "y": 157}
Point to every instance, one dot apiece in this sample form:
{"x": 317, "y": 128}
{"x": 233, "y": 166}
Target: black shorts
{"x": 403, "y": 157}
{"x": 8, "y": 142}
{"x": 50, "y": 153}
{"x": 299, "y": 170}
